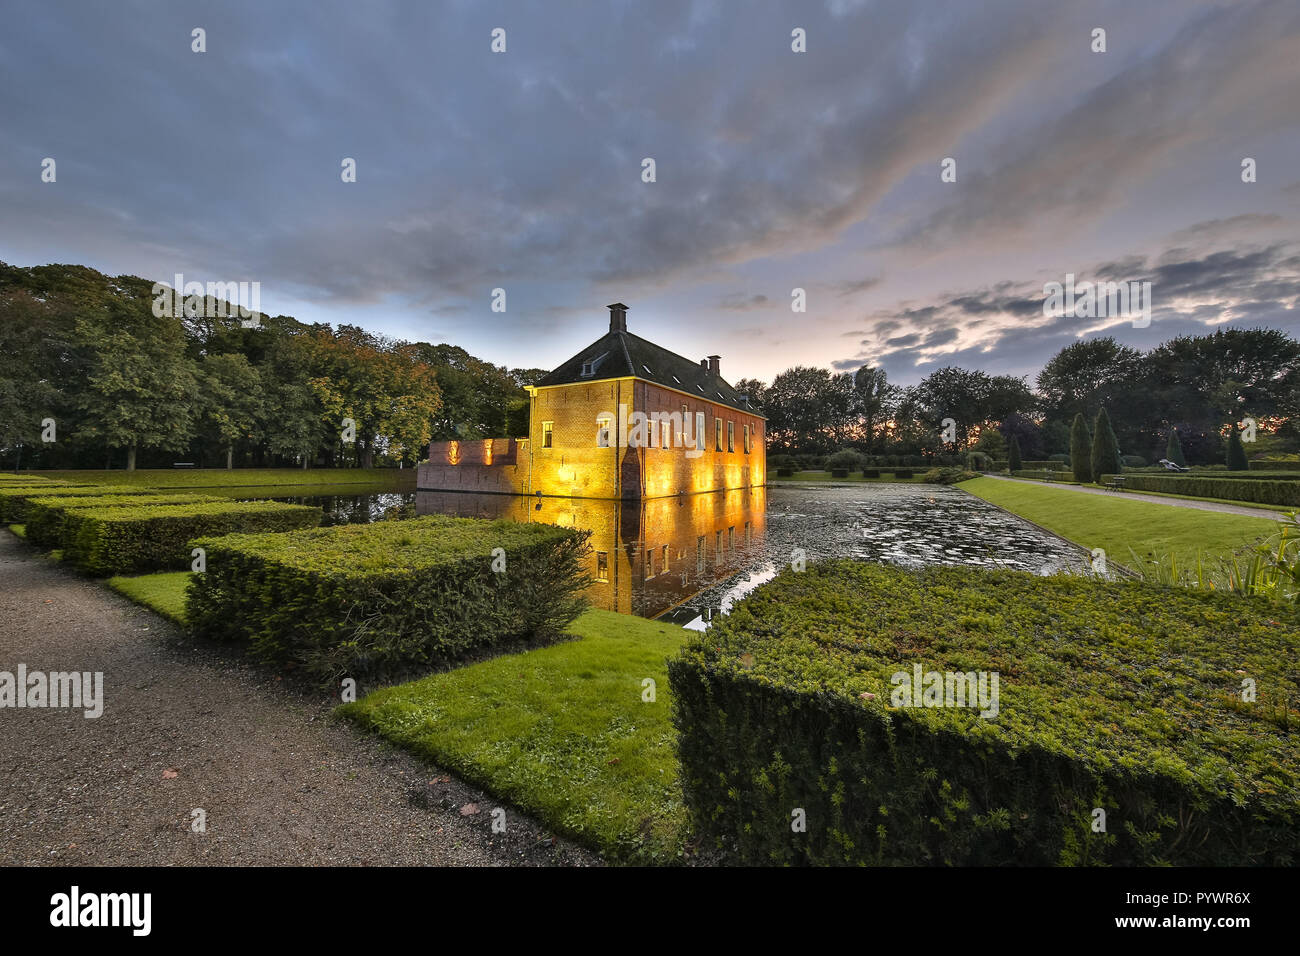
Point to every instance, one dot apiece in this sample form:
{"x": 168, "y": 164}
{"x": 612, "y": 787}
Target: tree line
{"x": 90, "y": 376}
{"x": 1192, "y": 393}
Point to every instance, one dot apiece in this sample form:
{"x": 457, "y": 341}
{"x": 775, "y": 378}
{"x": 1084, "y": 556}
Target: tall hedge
{"x": 1113, "y": 696}
{"x": 1013, "y": 455}
{"x": 126, "y": 540}
{"x": 1081, "y": 449}
{"x": 1105, "y": 448}
{"x": 392, "y": 598}
{"x": 1174, "y": 449}
{"x": 1237, "y": 460}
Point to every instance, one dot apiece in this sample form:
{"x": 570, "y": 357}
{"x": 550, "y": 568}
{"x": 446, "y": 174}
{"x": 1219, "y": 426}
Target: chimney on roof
{"x": 618, "y": 317}
{"x": 715, "y": 362}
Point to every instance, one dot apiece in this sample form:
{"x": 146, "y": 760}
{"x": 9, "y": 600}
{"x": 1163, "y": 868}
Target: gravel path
{"x": 183, "y": 728}
{"x": 1157, "y": 499}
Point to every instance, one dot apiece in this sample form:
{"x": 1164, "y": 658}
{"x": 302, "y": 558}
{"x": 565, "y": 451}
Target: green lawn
{"x": 1116, "y": 523}
{"x": 163, "y": 592}
{"x": 398, "y": 479}
{"x": 561, "y": 732}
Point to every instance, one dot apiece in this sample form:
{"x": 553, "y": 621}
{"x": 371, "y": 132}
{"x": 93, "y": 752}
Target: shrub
{"x": 45, "y": 515}
{"x": 386, "y": 599}
{"x": 785, "y": 472}
{"x": 125, "y": 540}
{"x": 1105, "y": 448}
{"x": 839, "y": 472}
{"x": 978, "y": 461}
{"x": 947, "y": 476}
{"x": 870, "y": 472}
{"x": 1013, "y": 455}
{"x": 1276, "y": 492}
{"x": 902, "y": 473}
{"x": 14, "y": 495}
{"x": 1133, "y": 461}
{"x": 1116, "y": 695}
{"x": 1236, "y": 452}
{"x": 845, "y": 460}
{"x": 1081, "y": 449}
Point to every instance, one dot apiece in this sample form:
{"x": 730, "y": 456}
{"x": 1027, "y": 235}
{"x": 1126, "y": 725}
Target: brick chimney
{"x": 715, "y": 362}
{"x": 618, "y": 317}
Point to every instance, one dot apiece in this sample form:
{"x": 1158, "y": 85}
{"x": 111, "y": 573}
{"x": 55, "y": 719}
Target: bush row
{"x": 798, "y": 748}
{"x": 131, "y": 540}
{"x": 391, "y": 598}
{"x": 1045, "y": 465}
{"x": 1046, "y": 474}
{"x": 1268, "y": 492}
{"x": 14, "y": 497}
{"x": 45, "y": 514}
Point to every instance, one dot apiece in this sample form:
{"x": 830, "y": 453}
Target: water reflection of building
{"x": 647, "y": 555}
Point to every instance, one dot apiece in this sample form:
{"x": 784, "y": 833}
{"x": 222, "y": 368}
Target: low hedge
{"x": 1043, "y": 465}
{"x": 870, "y": 472}
{"x": 1265, "y": 492}
{"x": 388, "y": 599}
{"x": 903, "y": 473}
{"x": 14, "y": 498}
{"x": 126, "y": 540}
{"x": 1040, "y": 474}
{"x": 1114, "y": 695}
{"x": 1280, "y": 464}
{"x": 45, "y": 515}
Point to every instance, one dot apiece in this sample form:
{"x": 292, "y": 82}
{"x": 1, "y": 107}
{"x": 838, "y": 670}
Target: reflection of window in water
{"x": 731, "y": 538}
{"x": 665, "y": 560}
{"x": 650, "y": 564}
{"x": 748, "y": 539}
{"x": 602, "y": 565}
{"x": 699, "y": 554}
{"x": 717, "y": 545}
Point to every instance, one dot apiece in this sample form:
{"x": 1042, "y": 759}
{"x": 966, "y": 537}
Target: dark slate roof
{"x": 620, "y": 354}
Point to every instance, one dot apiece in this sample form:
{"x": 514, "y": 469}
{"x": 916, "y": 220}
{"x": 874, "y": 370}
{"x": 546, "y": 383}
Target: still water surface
{"x": 689, "y": 558}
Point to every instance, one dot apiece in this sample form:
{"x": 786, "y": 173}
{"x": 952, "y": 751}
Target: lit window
{"x": 686, "y": 417}
{"x": 731, "y": 436}
{"x": 548, "y": 434}
{"x": 602, "y": 565}
{"x": 699, "y": 431}
{"x": 717, "y": 434}
{"x": 603, "y": 424}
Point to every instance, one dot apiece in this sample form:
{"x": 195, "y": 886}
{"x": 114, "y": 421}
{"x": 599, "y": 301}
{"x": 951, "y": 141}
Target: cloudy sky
{"x": 775, "y": 170}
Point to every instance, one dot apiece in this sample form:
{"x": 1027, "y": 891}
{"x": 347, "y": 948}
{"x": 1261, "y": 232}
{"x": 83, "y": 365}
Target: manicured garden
{"x": 1122, "y": 526}
{"x": 1119, "y": 697}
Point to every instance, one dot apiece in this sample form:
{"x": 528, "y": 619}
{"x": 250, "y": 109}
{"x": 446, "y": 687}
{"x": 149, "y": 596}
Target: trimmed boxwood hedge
{"x": 45, "y": 515}
{"x": 126, "y": 540}
{"x": 13, "y": 499}
{"x": 903, "y": 473}
{"x": 1114, "y": 695}
{"x": 1233, "y": 489}
{"x": 388, "y": 599}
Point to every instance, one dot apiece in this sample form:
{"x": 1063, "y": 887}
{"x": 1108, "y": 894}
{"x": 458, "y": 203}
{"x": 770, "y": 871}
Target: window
{"x": 699, "y": 431}
{"x": 588, "y": 369}
{"x": 602, "y": 565}
{"x": 746, "y": 439}
{"x": 731, "y": 436}
{"x": 548, "y": 434}
{"x": 650, "y": 564}
{"x": 664, "y": 562}
{"x": 666, "y": 423}
{"x": 647, "y": 370}
{"x": 603, "y": 423}
{"x": 699, "y": 555}
{"x": 686, "y": 417}
{"x": 717, "y": 434}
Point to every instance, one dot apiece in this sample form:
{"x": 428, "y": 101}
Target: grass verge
{"x": 163, "y": 592}
{"x": 1116, "y": 524}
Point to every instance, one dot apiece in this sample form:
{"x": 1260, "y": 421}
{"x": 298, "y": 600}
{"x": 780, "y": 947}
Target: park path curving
{"x": 1154, "y": 499}
{"x": 184, "y": 728}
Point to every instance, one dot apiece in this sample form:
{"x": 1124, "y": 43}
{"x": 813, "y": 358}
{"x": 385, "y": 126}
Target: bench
{"x": 1116, "y": 483}
{"x": 182, "y": 464}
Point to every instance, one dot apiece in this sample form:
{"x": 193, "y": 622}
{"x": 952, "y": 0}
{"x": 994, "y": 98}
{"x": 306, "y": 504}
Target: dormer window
{"x": 647, "y": 370}
{"x": 589, "y": 367}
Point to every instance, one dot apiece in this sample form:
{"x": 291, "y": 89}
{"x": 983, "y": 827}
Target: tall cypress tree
{"x": 1105, "y": 448}
{"x": 1236, "y": 452}
{"x": 1013, "y": 454}
{"x": 1080, "y": 450}
{"x": 1174, "y": 450}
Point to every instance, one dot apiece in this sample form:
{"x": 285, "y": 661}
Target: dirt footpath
{"x": 189, "y": 728}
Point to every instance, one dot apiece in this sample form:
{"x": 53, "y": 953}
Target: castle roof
{"x": 620, "y": 354}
